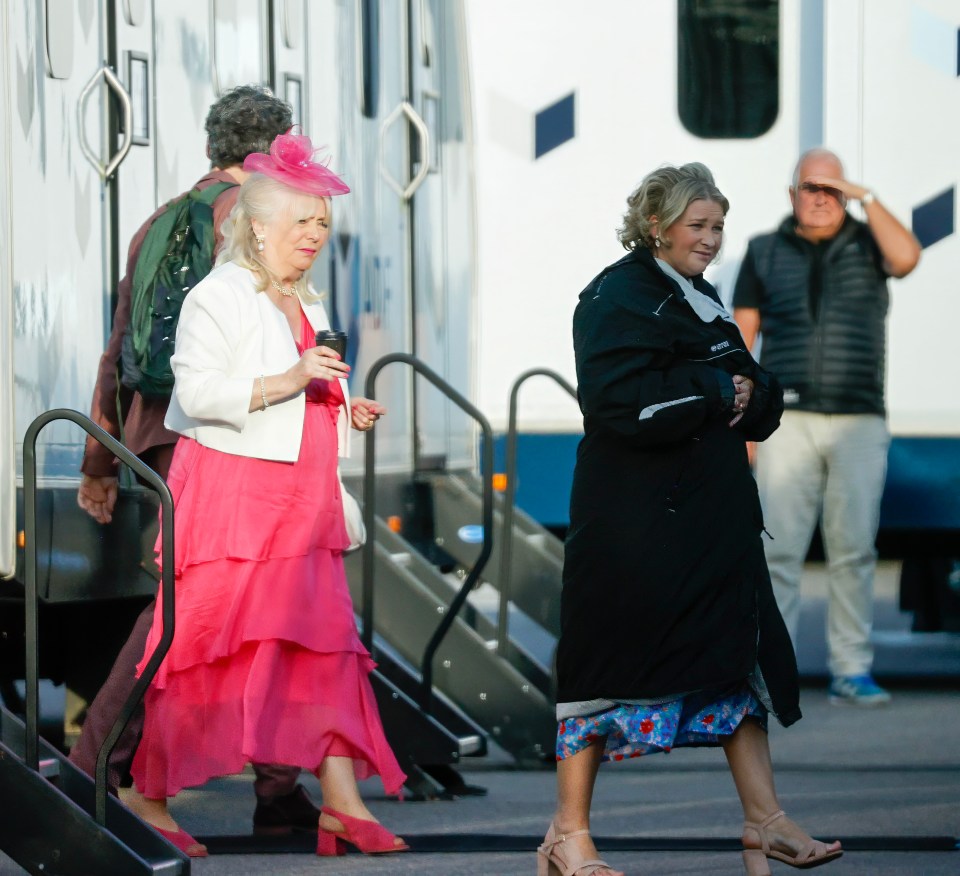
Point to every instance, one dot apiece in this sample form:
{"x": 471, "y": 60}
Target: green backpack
{"x": 177, "y": 253}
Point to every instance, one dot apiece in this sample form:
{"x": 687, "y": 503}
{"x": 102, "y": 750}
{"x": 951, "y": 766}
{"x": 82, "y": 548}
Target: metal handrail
{"x": 32, "y": 598}
{"x": 405, "y": 108}
{"x": 509, "y": 497}
{"x": 126, "y": 104}
{"x": 369, "y": 516}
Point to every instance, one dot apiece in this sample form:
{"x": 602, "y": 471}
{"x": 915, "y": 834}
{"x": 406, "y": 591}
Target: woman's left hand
{"x": 364, "y": 412}
{"x": 743, "y": 387}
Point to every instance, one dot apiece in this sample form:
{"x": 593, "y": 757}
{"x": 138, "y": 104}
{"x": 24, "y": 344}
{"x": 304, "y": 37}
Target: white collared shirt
{"x": 703, "y": 305}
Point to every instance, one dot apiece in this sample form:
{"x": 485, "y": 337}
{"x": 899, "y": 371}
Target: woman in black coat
{"x": 670, "y": 634}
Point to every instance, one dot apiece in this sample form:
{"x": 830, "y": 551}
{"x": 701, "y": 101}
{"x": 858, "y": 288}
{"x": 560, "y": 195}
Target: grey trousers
{"x": 830, "y": 467}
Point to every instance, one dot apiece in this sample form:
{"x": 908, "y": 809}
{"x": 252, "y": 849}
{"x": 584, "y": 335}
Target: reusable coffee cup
{"x": 334, "y": 340}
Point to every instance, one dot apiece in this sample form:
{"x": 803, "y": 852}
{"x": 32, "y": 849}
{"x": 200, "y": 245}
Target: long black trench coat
{"x": 665, "y": 585}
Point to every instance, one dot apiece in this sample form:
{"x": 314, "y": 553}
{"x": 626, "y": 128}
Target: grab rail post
{"x": 509, "y": 498}
{"x": 32, "y": 742}
{"x": 369, "y": 515}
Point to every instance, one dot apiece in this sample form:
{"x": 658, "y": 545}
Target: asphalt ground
{"x": 886, "y": 781}
{"x": 874, "y": 777}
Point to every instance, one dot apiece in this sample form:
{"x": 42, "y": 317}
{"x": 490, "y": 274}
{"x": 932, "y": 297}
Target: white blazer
{"x": 228, "y": 335}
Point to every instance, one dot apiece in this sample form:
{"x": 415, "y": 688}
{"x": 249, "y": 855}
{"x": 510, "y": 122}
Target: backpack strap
{"x": 152, "y": 252}
{"x": 207, "y": 233}
{"x": 154, "y": 249}
{"x": 209, "y": 194}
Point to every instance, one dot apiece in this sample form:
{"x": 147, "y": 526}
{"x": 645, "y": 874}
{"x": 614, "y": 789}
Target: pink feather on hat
{"x": 291, "y": 162}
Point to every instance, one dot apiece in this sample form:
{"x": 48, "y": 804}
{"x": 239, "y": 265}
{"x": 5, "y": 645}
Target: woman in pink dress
{"x": 266, "y": 663}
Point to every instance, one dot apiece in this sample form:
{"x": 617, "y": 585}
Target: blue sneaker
{"x": 857, "y": 690}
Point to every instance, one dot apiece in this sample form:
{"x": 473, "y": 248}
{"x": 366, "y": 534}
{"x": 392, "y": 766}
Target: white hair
{"x": 269, "y": 201}
{"x": 818, "y": 152}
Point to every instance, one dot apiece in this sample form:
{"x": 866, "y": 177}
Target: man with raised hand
{"x": 816, "y": 289}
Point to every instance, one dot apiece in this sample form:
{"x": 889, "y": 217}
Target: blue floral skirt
{"x": 632, "y": 730}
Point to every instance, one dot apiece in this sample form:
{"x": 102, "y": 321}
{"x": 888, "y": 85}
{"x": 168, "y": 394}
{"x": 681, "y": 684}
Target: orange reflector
{"x": 394, "y": 523}
{"x": 21, "y": 539}
{"x": 500, "y": 482}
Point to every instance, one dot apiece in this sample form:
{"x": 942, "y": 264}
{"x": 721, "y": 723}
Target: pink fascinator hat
{"x": 291, "y": 162}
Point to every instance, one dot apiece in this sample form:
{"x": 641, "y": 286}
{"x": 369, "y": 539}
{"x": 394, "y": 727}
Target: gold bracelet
{"x": 263, "y": 394}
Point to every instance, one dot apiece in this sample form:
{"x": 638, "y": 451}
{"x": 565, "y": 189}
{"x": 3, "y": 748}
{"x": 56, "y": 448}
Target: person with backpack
{"x": 244, "y": 120}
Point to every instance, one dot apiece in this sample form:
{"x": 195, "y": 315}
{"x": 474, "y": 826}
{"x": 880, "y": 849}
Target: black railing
{"x": 32, "y": 744}
{"x": 509, "y": 498}
{"x": 369, "y": 516}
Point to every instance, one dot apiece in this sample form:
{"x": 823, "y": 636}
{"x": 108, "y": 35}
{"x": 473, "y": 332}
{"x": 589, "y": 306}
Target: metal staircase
{"x": 412, "y": 597}
{"x": 528, "y": 574}
{"x": 66, "y": 823}
{"x": 442, "y": 735}
{"x": 536, "y": 555}
{"x": 63, "y": 822}
{"x": 431, "y": 615}
{"x": 450, "y": 668}
{"x": 48, "y": 824}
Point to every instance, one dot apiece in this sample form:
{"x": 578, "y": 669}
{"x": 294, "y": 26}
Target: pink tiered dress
{"x": 266, "y": 664}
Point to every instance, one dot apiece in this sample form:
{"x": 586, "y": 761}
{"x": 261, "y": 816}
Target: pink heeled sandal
{"x": 183, "y": 841}
{"x": 551, "y": 863}
{"x": 755, "y": 860}
{"x": 368, "y": 836}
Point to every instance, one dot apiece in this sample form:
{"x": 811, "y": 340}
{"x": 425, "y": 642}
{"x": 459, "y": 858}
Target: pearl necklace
{"x": 286, "y": 293}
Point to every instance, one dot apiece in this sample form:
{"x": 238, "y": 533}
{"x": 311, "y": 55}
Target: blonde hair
{"x": 662, "y": 198}
{"x": 264, "y": 199}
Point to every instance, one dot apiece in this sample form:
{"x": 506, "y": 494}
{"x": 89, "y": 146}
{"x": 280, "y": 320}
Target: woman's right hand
{"x": 317, "y": 363}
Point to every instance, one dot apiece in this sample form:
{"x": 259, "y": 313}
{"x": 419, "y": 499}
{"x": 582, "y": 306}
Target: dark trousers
{"x": 272, "y": 779}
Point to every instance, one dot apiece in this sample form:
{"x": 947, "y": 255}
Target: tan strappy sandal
{"x": 755, "y": 860}
{"x": 552, "y": 862}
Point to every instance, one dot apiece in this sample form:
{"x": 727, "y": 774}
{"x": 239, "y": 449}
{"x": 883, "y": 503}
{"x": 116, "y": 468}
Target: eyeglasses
{"x": 812, "y": 189}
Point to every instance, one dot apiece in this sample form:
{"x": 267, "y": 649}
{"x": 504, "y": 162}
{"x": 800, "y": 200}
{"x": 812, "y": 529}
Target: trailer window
{"x": 239, "y": 42}
{"x": 292, "y": 25}
{"x": 728, "y": 53}
{"x": 369, "y": 54}
{"x": 293, "y": 94}
{"x": 135, "y": 12}
{"x": 59, "y": 20}
{"x": 138, "y": 84}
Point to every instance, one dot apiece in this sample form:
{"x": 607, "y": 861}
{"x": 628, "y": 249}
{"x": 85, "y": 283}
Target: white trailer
{"x": 490, "y": 146}
{"x": 102, "y": 107}
{"x": 574, "y": 104}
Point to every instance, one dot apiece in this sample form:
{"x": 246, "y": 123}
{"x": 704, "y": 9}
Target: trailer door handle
{"x": 405, "y": 108}
{"x": 106, "y": 170}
